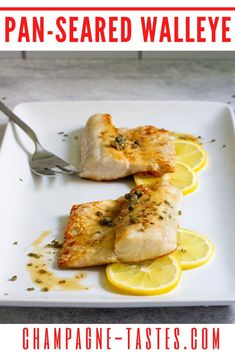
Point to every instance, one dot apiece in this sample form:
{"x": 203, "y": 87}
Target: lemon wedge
{"x": 150, "y": 277}
{"x": 184, "y": 178}
{"x": 191, "y": 154}
{"x": 193, "y": 250}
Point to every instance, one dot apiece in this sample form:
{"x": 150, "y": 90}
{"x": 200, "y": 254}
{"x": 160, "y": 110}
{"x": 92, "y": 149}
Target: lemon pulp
{"x": 191, "y": 154}
{"x": 193, "y": 249}
{"x": 146, "y": 278}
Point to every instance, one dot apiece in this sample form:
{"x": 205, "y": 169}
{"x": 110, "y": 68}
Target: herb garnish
{"x": 119, "y": 142}
{"x": 127, "y": 196}
{"x": 131, "y": 207}
{"x": 138, "y": 193}
{"x": 134, "y": 198}
{"x": 55, "y": 244}
{"x": 44, "y": 289}
{"x": 133, "y": 219}
{"x": 137, "y": 143}
{"x": 38, "y": 280}
{"x": 107, "y": 221}
{"x": 13, "y": 278}
{"x": 42, "y": 271}
{"x": 99, "y": 213}
{"x": 36, "y": 256}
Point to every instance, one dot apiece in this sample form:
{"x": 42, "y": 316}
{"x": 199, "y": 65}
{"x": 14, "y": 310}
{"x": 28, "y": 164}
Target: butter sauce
{"x": 40, "y": 268}
{"x": 186, "y": 137}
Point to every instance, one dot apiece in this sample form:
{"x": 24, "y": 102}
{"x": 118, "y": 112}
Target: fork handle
{"x": 12, "y": 116}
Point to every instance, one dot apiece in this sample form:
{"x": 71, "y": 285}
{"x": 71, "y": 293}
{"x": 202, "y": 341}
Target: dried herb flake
{"x": 44, "y": 289}
{"x": 36, "y": 256}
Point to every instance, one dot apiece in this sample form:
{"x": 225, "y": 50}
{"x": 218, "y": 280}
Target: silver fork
{"x": 42, "y": 162}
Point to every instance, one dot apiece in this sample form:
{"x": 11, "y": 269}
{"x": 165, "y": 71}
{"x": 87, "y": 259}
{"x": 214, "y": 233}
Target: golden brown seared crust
{"x": 109, "y": 153}
{"x": 138, "y": 226}
{"x": 86, "y": 241}
{"x": 146, "y": 148}
{"x": 155, "y": 152}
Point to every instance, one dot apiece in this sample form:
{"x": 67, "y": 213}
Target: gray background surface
{"x": 115, "y": 79}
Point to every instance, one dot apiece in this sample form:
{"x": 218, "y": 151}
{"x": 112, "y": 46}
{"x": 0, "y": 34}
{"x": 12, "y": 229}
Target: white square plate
{"x": 35, "y": 204}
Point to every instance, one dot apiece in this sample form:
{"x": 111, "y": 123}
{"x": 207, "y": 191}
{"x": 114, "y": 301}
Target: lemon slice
{"x": 191, "y": 154}
{"x": 184, "y": 178}
{"x": 193, "y": 250}
{"x": 146, "y": 278}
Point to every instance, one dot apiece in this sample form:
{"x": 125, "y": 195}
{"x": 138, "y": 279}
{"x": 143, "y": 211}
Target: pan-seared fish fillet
{"x": 108, "y": 153}
{"x": 86, "y": 241}
{"x": 150, "y": 229}
{"x": 138, "y": 226}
